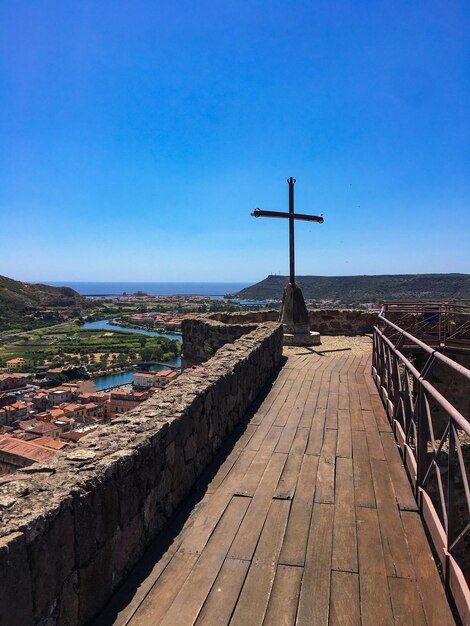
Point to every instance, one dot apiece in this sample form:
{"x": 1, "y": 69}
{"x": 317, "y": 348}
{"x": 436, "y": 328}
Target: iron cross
{"x": 291, "y": 216}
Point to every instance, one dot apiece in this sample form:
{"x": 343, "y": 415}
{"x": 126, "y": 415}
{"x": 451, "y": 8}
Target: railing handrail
{"x": 427, "y": 426}
{"x": 463, "y": 371}
{"x": 461, "y": 421}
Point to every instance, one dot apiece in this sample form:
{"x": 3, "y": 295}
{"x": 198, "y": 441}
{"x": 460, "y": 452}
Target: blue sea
{"x": 152, "y": 289}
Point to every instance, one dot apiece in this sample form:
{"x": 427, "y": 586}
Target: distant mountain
{"x": 24, "y": 306}
{"x": 356, "y": 290}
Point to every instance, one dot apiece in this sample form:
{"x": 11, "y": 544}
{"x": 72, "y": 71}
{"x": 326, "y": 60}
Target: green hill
{"x": 357, "y": 290}
{"x": 24, "y": 306}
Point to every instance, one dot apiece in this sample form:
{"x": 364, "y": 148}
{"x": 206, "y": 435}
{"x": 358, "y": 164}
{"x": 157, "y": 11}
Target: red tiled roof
{"x": 48, "y": 442}
{"x": 27, "y": 450}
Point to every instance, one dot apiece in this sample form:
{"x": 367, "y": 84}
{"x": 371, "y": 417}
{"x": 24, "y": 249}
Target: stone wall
{"x": 204, "y": 336}
{"x": 325, "y": 321}
{"x": 71, "y": 529}
{"x": 342, "y": 321}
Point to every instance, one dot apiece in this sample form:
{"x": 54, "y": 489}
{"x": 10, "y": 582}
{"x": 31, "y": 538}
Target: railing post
{"x": 396, "y": 387}
{"x": 450, "y": 504}
{"x": 422, "y": 436}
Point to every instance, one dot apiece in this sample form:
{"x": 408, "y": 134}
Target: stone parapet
{"x": 325, "y": 321}
{"x": 203, "y": 337}
{"x": 71, "y": 529}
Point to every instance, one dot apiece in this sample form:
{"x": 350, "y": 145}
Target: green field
{"x": 98, "y": 349}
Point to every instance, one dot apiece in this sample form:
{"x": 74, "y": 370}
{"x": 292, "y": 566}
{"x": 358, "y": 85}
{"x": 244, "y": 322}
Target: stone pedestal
{"x": 294, "y": 318}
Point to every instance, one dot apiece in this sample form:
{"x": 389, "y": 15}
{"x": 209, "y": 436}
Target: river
{"x": 105, "y": 325}
{"x": 124, "y": 378}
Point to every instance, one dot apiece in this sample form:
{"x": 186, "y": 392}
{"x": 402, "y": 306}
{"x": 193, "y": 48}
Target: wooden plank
{"x": 355, "y": 405}
{"x": 363, "y": 486}
{"x": 290, "y": 474}
{"x": 343, "y": 396}
{"x": 406, "y": 602}
{"x": 231, "y": 459}
{"x": 295, "y": 540}
{"x": 325, "y": 488}
{"x": 282, "y": 606}
{"x": 344, "y": 448}
{"x": 344, "y": 603}
{"x": 247, "y": 537}
{"x": 373, "y": 437}
{"x": 123, "y": 616}
{"x": 265, "y": 437}
{"x": 375, "y": 599}
{"x": 221, "y": 601}
{"x": 435, "y": 604}
{"x": 252, "y": 477}
{"x": 380, "y": 416}
{"x": 314, "y": 601}
{"x": 364, "y": 396}
{"x": 315, "y": 440}
{"x": 331, "y": 420}
{"x": 311, "y": 402}
{"x": 395, "y": 547}
{"x": 274, "y": 399}
{"x": 290, "y": 429}
{"x": 322, "y": 400}
{"x": 294, "y": 392}
{"x": 207, "y": 518}
{"x": 268, "y": 419}
{"x": 254, "y": 597}
{"x": 192, "y": 595}
{"x": 401, "y": 484}
{"x": 158, "y": 601}
{"x": 300, "y": 441}
{"x": 344, "y": 555}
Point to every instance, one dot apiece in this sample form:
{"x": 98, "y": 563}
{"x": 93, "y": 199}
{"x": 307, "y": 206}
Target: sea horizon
{"x": 170, "y": 288}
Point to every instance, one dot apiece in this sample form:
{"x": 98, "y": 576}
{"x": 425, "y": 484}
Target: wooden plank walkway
{"x": 309, "y": 519}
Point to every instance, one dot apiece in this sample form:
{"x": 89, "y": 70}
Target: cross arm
{"x": 281, "y": 214}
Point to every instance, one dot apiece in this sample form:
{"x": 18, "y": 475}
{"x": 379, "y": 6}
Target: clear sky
{"x": 137, "y": 135}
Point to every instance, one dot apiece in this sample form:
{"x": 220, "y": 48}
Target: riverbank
{"x": 114, "y": 326}
{"x": 117, "y": 379}
{"x": 99, "y": 346}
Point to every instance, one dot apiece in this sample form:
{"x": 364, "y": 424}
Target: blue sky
{"x": 137, "y": 136}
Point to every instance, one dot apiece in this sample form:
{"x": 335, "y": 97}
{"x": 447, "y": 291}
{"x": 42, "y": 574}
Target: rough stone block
{"x": 128, "y": 546}
{"x": 107, "y": 511}
{"x": 95, "y": 583}
{"x": 68, "y": 601}
{"x": 16, "y": 601}
{"x": 52, "y": 558}
{"x": 190, "y": 448}
{"x": 85, "y": 528}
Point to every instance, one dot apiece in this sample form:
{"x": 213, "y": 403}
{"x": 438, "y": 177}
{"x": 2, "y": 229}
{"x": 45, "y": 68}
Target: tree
{"x": 147, "y": 354}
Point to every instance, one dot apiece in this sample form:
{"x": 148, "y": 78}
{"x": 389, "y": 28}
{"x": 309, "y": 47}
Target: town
{"x": 36, "y": 423}
{"x": 51, "y": 378}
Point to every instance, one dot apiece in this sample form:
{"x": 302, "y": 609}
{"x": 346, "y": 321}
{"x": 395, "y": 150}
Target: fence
{"x": 435, "y": 461}
{"x": 442, "y": 325}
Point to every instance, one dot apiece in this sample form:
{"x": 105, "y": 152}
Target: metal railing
{"x": 441, "y": 325}
{"x": 432, "y": 434}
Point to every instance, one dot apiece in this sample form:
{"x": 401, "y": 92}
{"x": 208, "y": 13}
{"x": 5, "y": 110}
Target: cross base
{"x": 294, "y": 318}
{"x": 302, "y": 339}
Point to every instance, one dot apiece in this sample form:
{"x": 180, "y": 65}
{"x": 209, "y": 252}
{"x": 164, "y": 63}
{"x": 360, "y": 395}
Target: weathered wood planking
{"x": 310, "y": 518}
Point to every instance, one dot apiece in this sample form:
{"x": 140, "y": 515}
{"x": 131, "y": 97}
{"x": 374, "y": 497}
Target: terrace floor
{"x": 305, "y": 517}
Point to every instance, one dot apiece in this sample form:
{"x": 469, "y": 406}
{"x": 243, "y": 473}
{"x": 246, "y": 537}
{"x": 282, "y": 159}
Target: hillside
{"x": 356, "y": 290}
{"x": 24, "y": 306}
